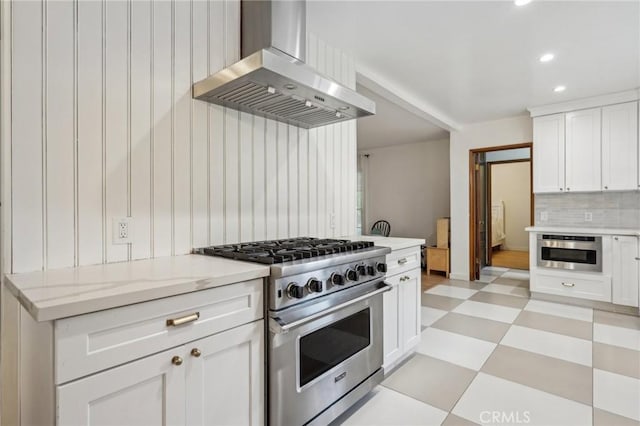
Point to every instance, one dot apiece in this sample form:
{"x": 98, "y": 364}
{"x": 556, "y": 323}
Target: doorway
{"x": 501, "y": 206}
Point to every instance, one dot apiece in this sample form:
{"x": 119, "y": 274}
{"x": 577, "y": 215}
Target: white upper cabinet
{"x": 582, "y": 150}
{"x": 548, "y": 153}
{"x": 620, "y": 147}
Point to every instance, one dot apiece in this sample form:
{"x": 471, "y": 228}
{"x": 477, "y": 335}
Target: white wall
{"x": 486, "y": 134}
{"x": 511, "y": 184}
{"x": 102, "y": 125}
{"x": 408, "y": 185}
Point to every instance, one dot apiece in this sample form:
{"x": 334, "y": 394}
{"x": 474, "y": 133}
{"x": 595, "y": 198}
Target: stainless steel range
{"x": 324, "y": 323}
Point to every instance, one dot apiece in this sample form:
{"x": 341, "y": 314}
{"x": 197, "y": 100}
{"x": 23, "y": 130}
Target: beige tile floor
{"x": 490, "y": 355}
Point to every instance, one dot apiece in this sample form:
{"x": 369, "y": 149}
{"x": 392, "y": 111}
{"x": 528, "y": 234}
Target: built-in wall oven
{"x": 573, "y": 252}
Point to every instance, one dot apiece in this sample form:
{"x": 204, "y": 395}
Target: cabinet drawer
{"x": 597, "y": 288}
{"x": 403, "y": 260}
{"x": 88, "y": 343}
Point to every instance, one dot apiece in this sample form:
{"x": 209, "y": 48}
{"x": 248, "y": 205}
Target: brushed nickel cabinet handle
{"x": 407, "y": 278}
{"x": 637, "y": 258}
{"x": 176, "y": 360}
{"x": 561, "y": 189}
{"x": 402, "y": 261}
{"x": 196, "y": 352}
{"x": 615, "y": 238}
{"x": 606, "y": 187}
{"x": 568, "y": 284}
{"x": 174, "y": 322}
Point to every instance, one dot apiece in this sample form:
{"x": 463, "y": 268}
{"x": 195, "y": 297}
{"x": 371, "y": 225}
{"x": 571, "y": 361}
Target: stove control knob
{"x": 362, "y": 269}
{"x": 381, "y": 267}
{"x": 295, "y": 291}
{"x": 336, "y": 279}
{"x": 371, "y": 270}
{"x": 314, "y": 285}
{"x": 352, "y": 275}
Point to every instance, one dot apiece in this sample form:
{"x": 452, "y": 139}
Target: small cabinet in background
{"x": 582, "y": 150}
{"x": 625, "y": 271}
{"x": 620, "y": 147}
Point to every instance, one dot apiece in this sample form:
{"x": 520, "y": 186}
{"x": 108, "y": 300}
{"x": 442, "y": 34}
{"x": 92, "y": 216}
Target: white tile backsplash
{"x": 608, "y": 209}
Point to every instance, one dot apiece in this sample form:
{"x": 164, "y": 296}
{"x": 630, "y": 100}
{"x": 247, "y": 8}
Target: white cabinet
{"x": 149, "y": 391}
{"x": 225, "y": 384}
{"x": 217, "y": 380}
{"x": 620, "y": 146}
{"x": 401, "y": 306}
{"x": 625, "y": 270}
{"x": 195, "y": 358}
{"x": 588, "y": 150}
{"x": 392, "y": 343}
{"x": 410, "y": 306}
{"x": 583, "y": 150}
{"x": 548, "y": 153}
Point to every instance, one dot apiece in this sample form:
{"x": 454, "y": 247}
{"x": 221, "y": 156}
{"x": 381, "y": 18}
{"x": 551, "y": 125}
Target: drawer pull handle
{"x": 196, "y": 352}
{"x": 174, "y": 322}
{"x": 402, "y": 261}
{"x": 176, "y": 360}
{"x": 568, "y": 284}
{"x": 637, "y": 258}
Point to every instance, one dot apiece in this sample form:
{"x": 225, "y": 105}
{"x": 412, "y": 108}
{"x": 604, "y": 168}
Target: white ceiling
{"x": 393, "y": 125}
{"x": 478, "y": 60}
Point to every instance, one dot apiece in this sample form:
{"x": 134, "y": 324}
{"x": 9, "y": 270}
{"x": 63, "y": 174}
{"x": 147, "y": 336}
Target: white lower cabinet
{"x": 149, "y": 391}
{"x": 217, "y": 380}
{"x": 401, "y": 306}
{"x": 625, "y": 270}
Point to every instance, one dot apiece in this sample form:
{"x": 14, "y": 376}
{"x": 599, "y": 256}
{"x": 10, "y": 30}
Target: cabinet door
{"x": 225, "y": 378}
{"x": 624, "y": 273}
{"x": 391, "y": 343}
{"x": 583, "y": 166}
{"x": 149, "y": 391}
{"x": 548, "y": 153}
{"x": 620, "y": 146}
{"x": 410, "y": 308}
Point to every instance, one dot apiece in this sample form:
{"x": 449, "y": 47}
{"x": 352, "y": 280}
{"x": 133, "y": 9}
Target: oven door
{"x": 317, "y": 354}
{"x": 573, "y": 255}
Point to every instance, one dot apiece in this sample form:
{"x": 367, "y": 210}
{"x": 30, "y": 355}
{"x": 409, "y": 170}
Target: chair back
{"x": 381, "y": 227}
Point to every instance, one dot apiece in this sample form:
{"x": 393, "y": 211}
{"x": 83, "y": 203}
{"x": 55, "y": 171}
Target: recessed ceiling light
{"x": 559, "y": 89}
{"x": 546, "y": 57}
{"x": 522, "y": 2}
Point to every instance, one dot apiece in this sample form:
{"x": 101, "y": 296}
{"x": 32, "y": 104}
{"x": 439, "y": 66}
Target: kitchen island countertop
{"x": 59, "y": 293}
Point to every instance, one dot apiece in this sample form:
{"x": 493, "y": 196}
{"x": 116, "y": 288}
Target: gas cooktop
{"x": 280, "y": 251}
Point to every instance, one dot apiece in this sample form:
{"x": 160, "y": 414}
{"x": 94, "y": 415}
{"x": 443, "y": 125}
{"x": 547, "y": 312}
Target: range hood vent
{"x": 273, "y": 81}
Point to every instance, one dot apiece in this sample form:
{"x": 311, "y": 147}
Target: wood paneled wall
{"x": 102, "y": 125}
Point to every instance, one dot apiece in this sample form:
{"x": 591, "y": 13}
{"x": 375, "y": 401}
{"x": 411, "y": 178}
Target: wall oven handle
{"x": 277, "y": 325}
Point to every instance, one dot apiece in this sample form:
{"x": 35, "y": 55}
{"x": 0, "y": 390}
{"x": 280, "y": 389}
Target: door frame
{"x": 472, "y": 196}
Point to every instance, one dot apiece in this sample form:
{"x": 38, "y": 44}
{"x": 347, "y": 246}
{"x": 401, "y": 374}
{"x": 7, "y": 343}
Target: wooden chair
{"x": 381, "y": 227}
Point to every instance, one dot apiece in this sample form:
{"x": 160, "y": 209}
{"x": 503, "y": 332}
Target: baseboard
{"x": 458, "y": 276}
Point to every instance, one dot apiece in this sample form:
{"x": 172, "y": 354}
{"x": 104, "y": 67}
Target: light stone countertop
{"x": 394, "y": 243}
{"x": 577, "y": 230}
{"x": 60, "y": 293}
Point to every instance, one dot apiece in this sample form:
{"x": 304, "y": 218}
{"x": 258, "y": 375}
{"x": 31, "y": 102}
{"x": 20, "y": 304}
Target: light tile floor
{"x": 490, "y": 355}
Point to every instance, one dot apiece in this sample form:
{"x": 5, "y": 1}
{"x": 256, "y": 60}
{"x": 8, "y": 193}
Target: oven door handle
{"x": 277, "y": 325}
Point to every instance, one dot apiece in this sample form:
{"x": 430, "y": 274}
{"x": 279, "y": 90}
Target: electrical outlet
{"x": 544, "y": 216}
{"x": 588, "y": 216}
{"x": 122, "y": 228}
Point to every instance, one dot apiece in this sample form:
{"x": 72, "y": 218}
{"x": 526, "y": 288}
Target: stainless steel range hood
{"x": 272, "y": 79}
